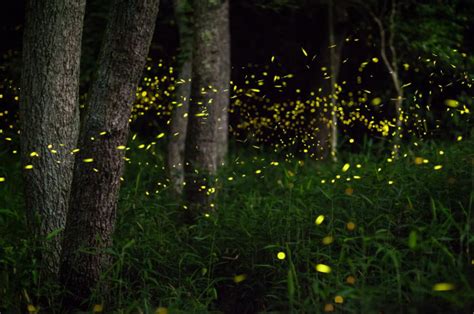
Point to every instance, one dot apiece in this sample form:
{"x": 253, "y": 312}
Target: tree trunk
{"x": 223, "y": 98}
{"x": 323, "y": 142}
{"x": 49, "y": 114}
{"x": 100, "y": 162}
{"x": 201, "y": 140}
{"x": 179, "y": 119}
{"x": 179, "y": 124}
{"x": 392, "y": 68}
{"x": 334, "y": 62}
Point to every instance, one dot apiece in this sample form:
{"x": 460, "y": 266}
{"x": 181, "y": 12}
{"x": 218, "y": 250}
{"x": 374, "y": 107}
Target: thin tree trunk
{"x": 179, "y": 124}
{"x": 392, "y": 67}
{"x": 223, "y": 99}
{"x": 201, "y": 140}
{"x": 179, "y": 119}
{"x": 49, "y": 114}
{"x": 323, "y": 142}
{"x": 334, "y": 62}
{"x": 100, "y": 162}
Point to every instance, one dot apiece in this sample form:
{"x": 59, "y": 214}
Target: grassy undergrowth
{"x": 393, "y": 230}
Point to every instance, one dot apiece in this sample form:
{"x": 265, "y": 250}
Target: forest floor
{"x": 364, "y": 235}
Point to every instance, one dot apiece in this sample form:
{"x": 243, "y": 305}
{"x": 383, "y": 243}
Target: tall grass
{"x": 392, "y": 231}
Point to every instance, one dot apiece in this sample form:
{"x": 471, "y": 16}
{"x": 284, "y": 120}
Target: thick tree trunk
{"x": 100, "y": 162}
{"x": 223, "y": 98}
{"x": 201, "y": 140}
{"x": 49, "y": 114}
{"x": 179, "y": 119}
{"x": 323, "y": 142}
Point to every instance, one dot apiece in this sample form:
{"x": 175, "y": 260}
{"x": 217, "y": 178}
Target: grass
{"x": 410, "y": 228}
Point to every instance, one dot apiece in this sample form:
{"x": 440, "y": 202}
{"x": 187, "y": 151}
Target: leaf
{"x": 8, "y": 212}
{"x": 412, "y": 239}
{"x": 291, "y": 285}
{"x": 129, "y": 244}
{"x": 53, "y": 233}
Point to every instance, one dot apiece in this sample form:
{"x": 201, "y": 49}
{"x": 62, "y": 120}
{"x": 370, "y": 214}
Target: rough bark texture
{"x": 179, "y": 119}
{"x": 49, "y": 114}
{"x": 201, "y": 140}
{"x": 100, "y": 162}
{"x": 223, "y": 98}
{"x": 323, "y": 142}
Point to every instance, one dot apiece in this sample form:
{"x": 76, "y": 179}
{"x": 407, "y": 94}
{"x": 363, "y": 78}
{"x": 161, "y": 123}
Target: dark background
{"x": 260, "y": 30}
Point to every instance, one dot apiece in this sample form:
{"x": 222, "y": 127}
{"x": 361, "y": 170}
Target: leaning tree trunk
{"x": 49, "y": 114}
{"x": 323, "y": 142}
{"x": 223, "y": 98}
{"x": 179, "y": 119}
{"x": 201, "y": 140}
{"x": 104, "y": 133}
{"x": 392, "y": 68}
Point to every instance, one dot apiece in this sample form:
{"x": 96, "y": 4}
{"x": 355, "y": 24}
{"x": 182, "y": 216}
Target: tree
{"x": 409, "y": 32}
{"x": 49, "y": 113}
{"x": 179, "y": 119}
{"x": 204, "y": 112}
{"x": 392, "y": 67}
{"x": 104, "y": 133}
{"x": 436, "y": 33}
{"x": 223, "y": 98}
{"x": 335, "y": 50}
{"x": 324, "y": 141}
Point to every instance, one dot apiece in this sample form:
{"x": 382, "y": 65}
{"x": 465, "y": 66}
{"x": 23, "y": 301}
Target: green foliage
{"x": 436, "y": 30}
{"x": 277, "y": 5}
{"x": 397, "y": 228}
{"x": 411, "y": 229}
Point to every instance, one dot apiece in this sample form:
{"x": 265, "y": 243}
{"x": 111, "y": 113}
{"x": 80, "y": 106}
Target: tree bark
{"x": 179, "y": 119}
{"x": 179, "y": 124}
{"x": 323, "y": 142}
{"x": 100, "y": 162}
{"x": 392, "y": 68}
{"x": 49, "y": 114}
{"x": 223, "y": 98}
{"x": 201, "y": 140}
{"x": 334, "y": 62}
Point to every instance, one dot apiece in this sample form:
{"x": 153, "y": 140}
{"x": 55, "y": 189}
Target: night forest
{"x": 236, "y": 156}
